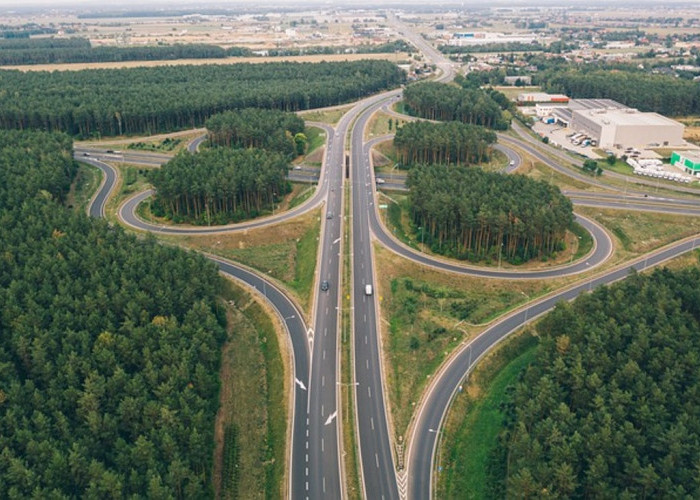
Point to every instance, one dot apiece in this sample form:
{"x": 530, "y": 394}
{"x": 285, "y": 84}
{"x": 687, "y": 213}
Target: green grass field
{"x": 84, "y": 186}
{"x": 474, "y": 422}
{"x": 252, "y": 421}
{"x": 316, "y": 138}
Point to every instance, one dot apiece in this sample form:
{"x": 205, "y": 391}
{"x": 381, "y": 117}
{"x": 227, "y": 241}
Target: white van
{"x": 368, "y": 289}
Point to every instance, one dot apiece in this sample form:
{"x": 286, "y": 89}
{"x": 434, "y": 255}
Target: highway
{"x": 316, "y": 469}
{"x": 374, "y": 441}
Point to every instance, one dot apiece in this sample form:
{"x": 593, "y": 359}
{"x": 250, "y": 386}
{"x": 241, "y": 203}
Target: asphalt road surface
{"x": 376, "y": 457}
{"x": 96, "y": 207}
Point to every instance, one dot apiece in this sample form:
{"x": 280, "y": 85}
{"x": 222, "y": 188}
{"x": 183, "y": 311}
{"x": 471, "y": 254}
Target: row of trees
{"x": 492, "y": 47}
{"x": 109, "y": 346}
{"x": 256, "y": 128}
{"x": 79, "y": 50}
{"x": 611, "y": 406}
{"x": 219, "y": 185}
{"x": 439, "y": 101}
{"x": 663, "y": 94}
{"x": 47, "y": 52}
{"x": 150, "y": 100}
{"x": 468, "y": 213}
{"x": 447, "y": 143}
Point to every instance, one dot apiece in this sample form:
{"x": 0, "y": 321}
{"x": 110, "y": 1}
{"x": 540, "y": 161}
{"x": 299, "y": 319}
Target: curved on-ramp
{"x": 127, "y": 212}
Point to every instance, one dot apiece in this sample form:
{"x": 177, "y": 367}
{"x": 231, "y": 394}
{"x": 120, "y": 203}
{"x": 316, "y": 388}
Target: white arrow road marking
{"x": 331, "y": 417}
{"x": 300, "y": 384}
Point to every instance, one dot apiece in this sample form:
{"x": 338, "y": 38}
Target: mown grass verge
{"x": 316, "y": 138}
{"x": 84, "y": 186}
{"x": 251, "y": 427}
{"x": 475, "y": 420}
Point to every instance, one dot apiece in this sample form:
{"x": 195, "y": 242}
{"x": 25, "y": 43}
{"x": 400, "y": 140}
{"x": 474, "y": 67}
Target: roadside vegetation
{"x": 444, "y": 143}
{"x": 590, "y": 401}
{"x": 475, "y": 419}
{"x": 472, "y": 105}
{"x": 467, "y": 213}
{"x": 250, "y": 431}
{"x": 268, "y": 129}
{"x": 329, "y": 116}
{"x": 642, "y": 232}
{"x": 86, "y": 181}
{"x": 427, "y": 313}
{"x": 578, "y": 242}
{"x": 219, "y": 186}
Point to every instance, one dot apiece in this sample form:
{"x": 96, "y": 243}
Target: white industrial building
{"x": 613, "y": 125}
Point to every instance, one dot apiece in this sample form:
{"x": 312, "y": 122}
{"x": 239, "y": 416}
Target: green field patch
{"x": 476, "y": 419}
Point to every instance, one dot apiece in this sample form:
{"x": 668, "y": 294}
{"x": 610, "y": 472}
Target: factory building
{"x": 613, "y": 125}
{"x": 688, "y": 161}
{"x": 541, "y": 97}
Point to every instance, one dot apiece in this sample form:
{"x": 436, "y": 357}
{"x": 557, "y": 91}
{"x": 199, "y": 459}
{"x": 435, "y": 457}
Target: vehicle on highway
{"x": 368, "y": 289}
{"x": 324, "y": 286}
{"x": 329, "y": 215}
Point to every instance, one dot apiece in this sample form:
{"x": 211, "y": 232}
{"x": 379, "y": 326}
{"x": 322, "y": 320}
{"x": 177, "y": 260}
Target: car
{"x": 86, "y": 154}
{"x": 511, "y": 163}
{"x": 329, "y": 215}
{"x": 325, "y": 286}
{"x": 368, "y": 289}
{"x": 110, "y": 151}
{"x": 298, "y": 167}
{"x": 380, "y": 180}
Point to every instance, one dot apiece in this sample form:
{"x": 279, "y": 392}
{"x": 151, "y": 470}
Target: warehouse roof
{"x": 627, "y": 117}
{"x": 692, "y": 155}
{"x": 579, "y": 104}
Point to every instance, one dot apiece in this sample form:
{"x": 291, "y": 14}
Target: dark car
{"x": 324, "y": 286}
